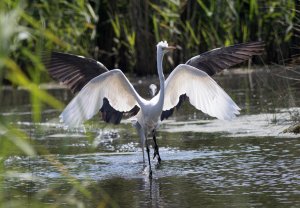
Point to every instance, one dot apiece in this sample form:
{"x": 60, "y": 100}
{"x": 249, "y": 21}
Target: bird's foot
{"x": 158, "y": 157}
{"x": 156, "y": 154}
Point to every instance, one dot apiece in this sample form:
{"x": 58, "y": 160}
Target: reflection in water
{"x": 205, "y": 162}
{"x": 154, "y": 192}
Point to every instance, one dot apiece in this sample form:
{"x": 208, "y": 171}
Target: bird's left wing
{"x": 203, "y": 93}
{"x": 216, "y": 60}
{"x": 112, "y": 86}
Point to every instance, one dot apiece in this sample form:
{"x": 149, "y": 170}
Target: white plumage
{"x": 112, "y": 85}
{"x": 203, "y": 92}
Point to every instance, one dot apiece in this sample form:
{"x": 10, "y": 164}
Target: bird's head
{"x": 164, "y": 47}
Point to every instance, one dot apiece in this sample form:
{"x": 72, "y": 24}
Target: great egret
{"x": 112, "y": 93}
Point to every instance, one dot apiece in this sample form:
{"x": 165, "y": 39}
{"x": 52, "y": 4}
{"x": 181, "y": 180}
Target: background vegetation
{"x": 194, "y": 26}
{"x": 123, "y": 33}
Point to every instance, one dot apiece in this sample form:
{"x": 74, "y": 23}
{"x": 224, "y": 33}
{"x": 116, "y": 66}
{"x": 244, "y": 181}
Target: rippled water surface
{"x": 247, "y": 162}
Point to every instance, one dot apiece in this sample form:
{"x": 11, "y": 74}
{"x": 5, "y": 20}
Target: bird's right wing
{"x": 112, "y": 86}
{"x": 203, "y": 93}
{"x": 218, "y": 59}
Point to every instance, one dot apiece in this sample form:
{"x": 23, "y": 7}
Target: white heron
{"x": 111, "y": 93}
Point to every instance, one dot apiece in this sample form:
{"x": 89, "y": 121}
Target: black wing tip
{"x": 255, "y": 48}
{"x": 74, "y": 71}
{"x": 69, "y": 57}
{"x": 216, "y": 60}
{"x": 250, "y": 43}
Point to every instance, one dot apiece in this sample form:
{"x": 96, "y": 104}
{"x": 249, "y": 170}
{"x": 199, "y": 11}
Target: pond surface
{"x": 247, "y": 162}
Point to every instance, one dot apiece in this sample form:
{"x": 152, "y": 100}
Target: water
{"x": 247, "y": 162}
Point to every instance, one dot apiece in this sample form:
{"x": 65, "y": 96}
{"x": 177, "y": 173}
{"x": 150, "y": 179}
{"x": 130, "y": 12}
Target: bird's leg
{"x": 143, "y": 153}
{"x": 156, "y": 149}
{"x": 143, "y": 144}
{"x": 148, "y": 153}
{"x": 142, "y": 138}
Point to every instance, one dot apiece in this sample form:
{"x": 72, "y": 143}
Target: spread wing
{"x": 203, "y": 93}
{"x": 112, "y": 86}
{"x": 75, "y": 72}
{"x": 218, "y": 59}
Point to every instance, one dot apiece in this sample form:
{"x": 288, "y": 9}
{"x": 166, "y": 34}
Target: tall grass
{"x": 194, "y": 26}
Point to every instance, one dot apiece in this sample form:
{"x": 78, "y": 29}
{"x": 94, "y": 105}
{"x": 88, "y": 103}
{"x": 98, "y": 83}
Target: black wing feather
{"x": 72, "y": 70}
{"x": 219, "y": 59}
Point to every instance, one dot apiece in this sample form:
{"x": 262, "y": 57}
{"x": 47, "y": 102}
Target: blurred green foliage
{"x": 27, "y": 29}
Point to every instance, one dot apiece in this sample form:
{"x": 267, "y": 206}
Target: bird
{"x": 152, "y": 89}
{"x": 111, "y": 93}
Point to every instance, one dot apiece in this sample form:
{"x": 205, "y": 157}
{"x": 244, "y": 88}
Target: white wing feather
{"x": 112, "y": 85}
{"x": 203, "y": 92}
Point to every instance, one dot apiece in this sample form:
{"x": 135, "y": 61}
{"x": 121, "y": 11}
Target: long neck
{"x": 161, "y": 76}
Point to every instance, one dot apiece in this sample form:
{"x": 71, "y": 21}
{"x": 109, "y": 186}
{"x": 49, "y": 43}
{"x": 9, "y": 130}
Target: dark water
{"x": 247, "y": 162}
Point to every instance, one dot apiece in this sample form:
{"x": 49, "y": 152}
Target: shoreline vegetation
{"x": 122, "y": 34}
